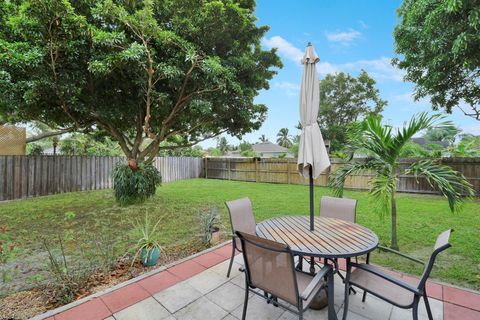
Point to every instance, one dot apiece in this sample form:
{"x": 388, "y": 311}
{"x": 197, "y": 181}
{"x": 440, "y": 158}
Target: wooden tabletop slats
{"x": 332, "y": 238}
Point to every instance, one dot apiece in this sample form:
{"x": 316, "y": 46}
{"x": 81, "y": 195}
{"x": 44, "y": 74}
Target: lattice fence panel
{"x": 12, "y": 141}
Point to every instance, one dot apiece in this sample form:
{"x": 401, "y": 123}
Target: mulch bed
{"x": 26, "y": 304}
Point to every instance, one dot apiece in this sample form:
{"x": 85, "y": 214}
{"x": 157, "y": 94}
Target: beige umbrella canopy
{"x": 312, "y": 153}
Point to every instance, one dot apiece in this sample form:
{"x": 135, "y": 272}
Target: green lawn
{"x": 420, "y": 220}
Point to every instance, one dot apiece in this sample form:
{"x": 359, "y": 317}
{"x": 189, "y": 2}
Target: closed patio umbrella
{"x": 312, "y": 153}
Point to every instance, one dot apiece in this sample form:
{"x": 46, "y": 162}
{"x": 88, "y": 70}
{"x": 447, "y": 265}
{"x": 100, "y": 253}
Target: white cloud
{"x": 381, "y": 68}
{"x": 343, "y": 37}
{"x": 285, "y": 48}
{"x": 291, "y": 89}
{"x": 363, "y": 24}
{"x": 324, "y": 68}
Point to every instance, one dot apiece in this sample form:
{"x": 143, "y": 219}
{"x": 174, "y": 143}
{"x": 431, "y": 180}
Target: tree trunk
{"x": 394, "y": 244}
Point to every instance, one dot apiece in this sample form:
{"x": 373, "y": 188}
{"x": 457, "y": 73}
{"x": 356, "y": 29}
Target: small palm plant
{"x": 147, "y": 246}
{"x": 384, "y": 148}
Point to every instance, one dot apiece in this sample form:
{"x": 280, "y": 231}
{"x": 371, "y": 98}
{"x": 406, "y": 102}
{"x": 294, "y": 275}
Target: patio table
{"x": 332, "y": 238}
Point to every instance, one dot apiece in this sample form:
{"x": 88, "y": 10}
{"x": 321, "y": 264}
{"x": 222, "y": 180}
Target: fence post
{"x": 288, "y": 171}
{"x": 206, "y": 167}
{"x": 256, "y": 168}
{"x": 229, "y": 170}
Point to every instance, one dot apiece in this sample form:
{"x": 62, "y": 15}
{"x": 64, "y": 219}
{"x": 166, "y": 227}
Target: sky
{"x": 348, "y": 35}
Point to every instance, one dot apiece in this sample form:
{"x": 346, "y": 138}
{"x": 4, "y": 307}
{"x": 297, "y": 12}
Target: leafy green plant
{"x": 209, "y": 223}
{"x": 133, "y": 186}
{"x": 384, "y": 149}
{"x": 148, "y": 238}
{"x": 34, "y": 149}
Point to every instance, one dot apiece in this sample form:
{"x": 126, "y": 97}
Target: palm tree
{"x": 263, "y": 138}
{"x": 223, "y": 146}
{"x": 384, "y": 148}
{"x": 283, "y": 138}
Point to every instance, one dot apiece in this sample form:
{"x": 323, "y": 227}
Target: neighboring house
{"x": 422, "y": 142}
{"x": 264, "y": 150}
{"x": 270, "y": 150}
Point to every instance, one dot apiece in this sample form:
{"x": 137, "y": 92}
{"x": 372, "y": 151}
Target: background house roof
{"x": 268, "y": 147}
{"x": 422, "y": 141}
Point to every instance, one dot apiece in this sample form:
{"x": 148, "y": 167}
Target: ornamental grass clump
{"x": 135, "y": 185}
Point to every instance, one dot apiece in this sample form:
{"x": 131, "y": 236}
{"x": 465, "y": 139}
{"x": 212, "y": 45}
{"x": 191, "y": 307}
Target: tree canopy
{"x": 343, "y": 100}
{"x": 439, "y": 43}
{"x": 167, "y": 70}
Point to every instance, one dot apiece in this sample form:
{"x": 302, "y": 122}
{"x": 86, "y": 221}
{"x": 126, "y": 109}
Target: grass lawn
{"x": 420, "y": 219}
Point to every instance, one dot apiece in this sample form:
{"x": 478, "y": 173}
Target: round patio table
{"x": 332, "y": 238}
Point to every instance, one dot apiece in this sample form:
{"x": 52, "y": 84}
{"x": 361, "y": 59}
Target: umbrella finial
{"x": 309, "y": 44}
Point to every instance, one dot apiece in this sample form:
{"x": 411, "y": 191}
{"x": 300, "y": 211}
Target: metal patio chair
{"x": 241, "y": 219}
{"x": 338, "y": 208}
{"x": 269, "y": 266}
{"x": 391, "y": 289}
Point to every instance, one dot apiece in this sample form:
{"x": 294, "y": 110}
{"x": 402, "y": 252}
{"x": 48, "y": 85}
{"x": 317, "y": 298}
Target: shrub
{"x": 133, "y": 186}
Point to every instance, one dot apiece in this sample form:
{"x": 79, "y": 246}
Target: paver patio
{"x": 197, "y": 288}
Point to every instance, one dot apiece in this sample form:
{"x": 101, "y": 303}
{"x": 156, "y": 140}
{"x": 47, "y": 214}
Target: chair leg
{"x": 415, "y": 308}
{"x": 347, "y": 290}
{"x": 245, "y": 302}
{"x": 364, "y": 296}
{"x": 330, "y": 297}
{"x": 231, "y": 259}
{"x": 352, "y": 290}
{"x": 300, "y": 263}
{"x": 427, "y": 306}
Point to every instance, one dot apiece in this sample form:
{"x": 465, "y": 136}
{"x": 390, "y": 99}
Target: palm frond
{"x": 452, "y": 184}
{"x": 418, "y": 123}
{"x": 336, "y": 180}
{"x": 377, "y": 138}
{"x": 382, "y": 188}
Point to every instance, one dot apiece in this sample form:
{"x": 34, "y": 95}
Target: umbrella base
{"x": 320, "y": 301}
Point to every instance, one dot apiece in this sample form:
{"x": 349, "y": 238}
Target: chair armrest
{"x": 401, "y": 254}
{"x": 387, "y": 277}
{"x": 318, "y": 277}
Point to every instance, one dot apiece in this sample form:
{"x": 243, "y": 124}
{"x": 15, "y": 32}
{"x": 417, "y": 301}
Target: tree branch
{"x": 49, "y": 134}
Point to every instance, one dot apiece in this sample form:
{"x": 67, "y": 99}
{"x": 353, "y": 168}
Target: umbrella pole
{"x": 312, "y": 227}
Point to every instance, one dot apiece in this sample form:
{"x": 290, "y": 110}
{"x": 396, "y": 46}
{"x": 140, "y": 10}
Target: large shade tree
{"x": 144, "y": 71}
{"x": 343, "y": 100}
{"x": 384, "y": 147}
{"x": 438, "y": 42}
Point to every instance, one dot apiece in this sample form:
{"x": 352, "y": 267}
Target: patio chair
{"x": 391, "y": 289}
{"x": 269, "y": 266}
{"x": 338, "y": 208}
{"x": 241, "y": 219}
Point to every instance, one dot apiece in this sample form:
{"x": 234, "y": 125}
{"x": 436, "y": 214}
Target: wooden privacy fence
{"x": 32, "y": 176}
{"x": 285, "y": 171}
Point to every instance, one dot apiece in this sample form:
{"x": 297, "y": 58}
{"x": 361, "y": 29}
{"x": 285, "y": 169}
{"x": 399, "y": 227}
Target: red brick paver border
{"x": 92, "y": 310}
{"x": 125, "y": 297}
{"x": 458, "y": 304}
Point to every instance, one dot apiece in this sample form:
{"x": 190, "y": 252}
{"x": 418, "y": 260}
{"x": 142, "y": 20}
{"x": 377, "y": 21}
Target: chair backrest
{"x": 339, "y": 208}
{"x": 440, "y": 245}
{"x": 241, "y": 217}
{"x": 270, "y": 267}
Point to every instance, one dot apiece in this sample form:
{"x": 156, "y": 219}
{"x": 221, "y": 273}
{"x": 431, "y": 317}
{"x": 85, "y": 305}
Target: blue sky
{"x": 348, "y": 36}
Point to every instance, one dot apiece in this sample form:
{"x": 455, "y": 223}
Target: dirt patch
{"x": 26, "y": 304}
